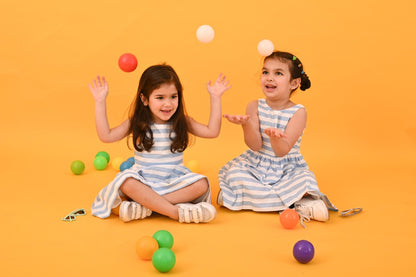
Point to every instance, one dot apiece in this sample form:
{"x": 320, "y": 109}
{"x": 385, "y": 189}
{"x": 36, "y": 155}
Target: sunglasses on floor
{"x": 351, "y": 212}
{"x": 72, "y": 215}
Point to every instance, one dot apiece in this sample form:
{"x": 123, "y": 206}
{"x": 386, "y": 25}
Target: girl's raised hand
{"x": 237, "y": 119}
{"x": 99, "y": 88}
{"x": 275, "y": 133}
{"x": 219, "y": 87}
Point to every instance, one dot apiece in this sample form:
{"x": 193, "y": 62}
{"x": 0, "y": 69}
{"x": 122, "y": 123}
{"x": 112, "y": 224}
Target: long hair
{"x": 295, "y": 67}
{"x": 141, "y": 117}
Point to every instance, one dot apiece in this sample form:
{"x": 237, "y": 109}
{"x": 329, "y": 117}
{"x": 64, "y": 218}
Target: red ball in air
{"x": 127, "y": 62}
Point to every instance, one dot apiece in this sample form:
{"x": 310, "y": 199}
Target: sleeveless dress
{"x": 262, "y": 181}
{"x": 159, "y": 169}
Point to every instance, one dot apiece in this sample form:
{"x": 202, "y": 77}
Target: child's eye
{"x": 174, "y": 96}
{"x": 159, "y": 97}
{"x": 279, "y": 73}
{"x": 265, "y": 72}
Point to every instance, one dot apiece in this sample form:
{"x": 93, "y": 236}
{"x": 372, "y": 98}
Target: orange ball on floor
{"x": 146, "y": 246}
{"x": 289, "y": 218}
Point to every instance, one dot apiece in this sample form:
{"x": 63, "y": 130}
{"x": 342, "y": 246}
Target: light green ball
{"x": 100, "y": 163}
{"x": 104, "y": 154}
{"x": 77, "y": 167}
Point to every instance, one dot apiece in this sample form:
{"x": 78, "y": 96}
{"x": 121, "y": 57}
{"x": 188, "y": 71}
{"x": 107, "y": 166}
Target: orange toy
{"x": 145, "y": 247}
{"x": 289, "y": 218}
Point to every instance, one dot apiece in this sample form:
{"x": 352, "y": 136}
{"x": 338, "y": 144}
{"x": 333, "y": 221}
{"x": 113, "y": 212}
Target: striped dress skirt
{"x": 160, "y": 169}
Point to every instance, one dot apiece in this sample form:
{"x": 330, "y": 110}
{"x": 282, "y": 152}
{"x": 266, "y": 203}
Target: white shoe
{"x": 201, "y": 212}
{"x": 219, "y": 198}
{"x": 312, "y": 208}
{"x": 130, "y": 210}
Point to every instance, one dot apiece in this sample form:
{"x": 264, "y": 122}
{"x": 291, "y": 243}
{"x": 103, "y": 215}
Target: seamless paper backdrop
{"x": 360, "y": 139}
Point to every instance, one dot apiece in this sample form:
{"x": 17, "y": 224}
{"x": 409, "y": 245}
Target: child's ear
{"x": 144, "y": 100}
{"x": 295, "y": 83}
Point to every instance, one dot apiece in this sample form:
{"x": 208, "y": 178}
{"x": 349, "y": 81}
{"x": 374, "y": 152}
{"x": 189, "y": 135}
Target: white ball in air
{"x": 205, "y": 33}
{"x": 265, "y": 47}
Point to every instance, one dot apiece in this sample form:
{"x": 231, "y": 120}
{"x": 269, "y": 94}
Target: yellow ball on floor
{"x": 145, "y": 247}
{"x": 116, "y": 163}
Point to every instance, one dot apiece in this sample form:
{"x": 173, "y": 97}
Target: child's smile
{"x": 167, "y": 112}
{"x": 270, "y": 88}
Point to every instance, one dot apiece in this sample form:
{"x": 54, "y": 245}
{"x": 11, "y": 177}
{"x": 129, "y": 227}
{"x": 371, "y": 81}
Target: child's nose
{"x": 168, "y": 102}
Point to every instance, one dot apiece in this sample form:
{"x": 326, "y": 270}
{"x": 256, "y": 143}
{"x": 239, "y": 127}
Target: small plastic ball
{"x": 131, "y": 160}
{"x": 125, "y": 165}
{"x": 205, "y": 33}
{"x": 100, "y": 163}
{"x": 145, "y": 247}
{"x": 303, "y": 251}
{"x": 265, "y": 47}
{"x": 289, "y": 219}
{"x": 194, "y": 166}
{"x": 127, "y": 62}
{"x": 163, "y": 238}
{"x": 117, "y": 161}
{"x": 77, "y": 167}
{"x": 104, "y": 154}
{"x": 163, "y": 259}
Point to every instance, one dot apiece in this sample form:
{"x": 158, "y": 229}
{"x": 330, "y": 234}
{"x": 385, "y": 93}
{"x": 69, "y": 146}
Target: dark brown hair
{"x": 295, "y": 67}
{"x": 141, "y": 117}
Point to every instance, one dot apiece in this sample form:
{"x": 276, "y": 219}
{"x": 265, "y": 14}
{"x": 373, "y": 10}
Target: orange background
{"x": 360, "y": 140}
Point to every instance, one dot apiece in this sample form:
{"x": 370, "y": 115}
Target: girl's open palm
{"x": 275, "y": 133}
{"x": 219, "y": 87}
{"x": 237, "y": 119}
{"x": 99, "y": 88}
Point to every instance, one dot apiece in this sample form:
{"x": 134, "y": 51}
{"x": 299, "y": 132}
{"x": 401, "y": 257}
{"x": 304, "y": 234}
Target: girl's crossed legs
{"x": 165, "y": 204}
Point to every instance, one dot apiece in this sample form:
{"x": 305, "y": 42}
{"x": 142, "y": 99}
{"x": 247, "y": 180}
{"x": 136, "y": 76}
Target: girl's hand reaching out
{"x": 99, "y": 88}
{"x": 275, "y": 133}
{"x": 219, "y": 87}
{"x": 237, "y": 119}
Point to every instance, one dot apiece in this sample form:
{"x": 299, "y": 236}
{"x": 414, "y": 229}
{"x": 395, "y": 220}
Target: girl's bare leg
{"x": 189, "y": 193}
{"x": 147, "y": 197}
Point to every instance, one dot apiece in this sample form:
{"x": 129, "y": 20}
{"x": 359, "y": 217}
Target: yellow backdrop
{"x": 360, "y": 139}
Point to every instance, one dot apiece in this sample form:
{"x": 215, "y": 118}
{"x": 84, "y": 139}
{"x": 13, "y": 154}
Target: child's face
{"x": 276, "y": 80}
{"x": 162, "y": 102}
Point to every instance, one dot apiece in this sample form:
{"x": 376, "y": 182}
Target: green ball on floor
{"x": 163, "y": 238}
{"x": 77, "y": 167}
{"x": 100, "y": 162}
{"x": 103, "y": 154}
{"x": 163, "y": 259}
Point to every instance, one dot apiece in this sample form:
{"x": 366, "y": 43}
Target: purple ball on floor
{"x": 303, "y": 251}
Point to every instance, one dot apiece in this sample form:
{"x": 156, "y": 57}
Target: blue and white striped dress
{"x": 262, "y": 181}
{"x": 159, "y": 169}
